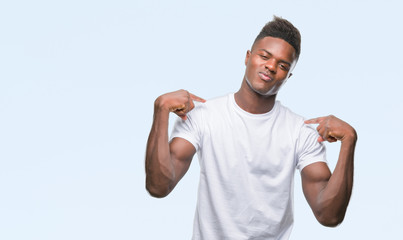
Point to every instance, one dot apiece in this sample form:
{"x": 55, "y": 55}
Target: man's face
{"x": 269, "y": 65}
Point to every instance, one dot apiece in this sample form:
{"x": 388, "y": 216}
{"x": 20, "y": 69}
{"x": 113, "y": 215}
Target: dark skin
{"x": 268, "y": 66}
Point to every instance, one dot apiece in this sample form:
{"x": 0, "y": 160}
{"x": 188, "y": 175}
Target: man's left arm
{"x": 329, "y": 194}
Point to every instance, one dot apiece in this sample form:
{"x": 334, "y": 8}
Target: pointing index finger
{"x": 314, "y": 120}
{"x": 196, "y": 98}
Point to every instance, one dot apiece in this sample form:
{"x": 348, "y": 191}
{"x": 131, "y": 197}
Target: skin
{"x": 268, "y": 66}
{"x": 167, "y": 162}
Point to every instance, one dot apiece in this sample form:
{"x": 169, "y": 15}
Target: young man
{"x": 249, "y": 146}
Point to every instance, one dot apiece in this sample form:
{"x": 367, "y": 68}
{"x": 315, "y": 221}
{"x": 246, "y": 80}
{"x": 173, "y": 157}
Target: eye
{"x": 284, "y": 67}
{"x": 264, "y": 57}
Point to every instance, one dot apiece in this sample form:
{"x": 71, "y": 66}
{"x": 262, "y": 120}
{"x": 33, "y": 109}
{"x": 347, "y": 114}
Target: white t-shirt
{"x": 247, "y": 165}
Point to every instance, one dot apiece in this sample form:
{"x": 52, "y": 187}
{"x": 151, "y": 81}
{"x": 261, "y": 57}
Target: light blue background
{"x": 78, "y": 80}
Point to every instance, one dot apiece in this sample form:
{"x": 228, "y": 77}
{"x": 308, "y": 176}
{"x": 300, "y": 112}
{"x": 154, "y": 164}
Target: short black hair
{"x": 283, "y": 29}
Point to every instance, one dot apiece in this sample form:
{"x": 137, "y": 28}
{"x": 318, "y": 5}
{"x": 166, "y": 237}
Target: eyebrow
{"x": 283, "y": 61}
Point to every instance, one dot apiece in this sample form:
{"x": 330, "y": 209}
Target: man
{"x": 249, "y": 146}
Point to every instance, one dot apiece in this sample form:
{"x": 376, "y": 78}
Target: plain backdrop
{"x": 78, "y": 80}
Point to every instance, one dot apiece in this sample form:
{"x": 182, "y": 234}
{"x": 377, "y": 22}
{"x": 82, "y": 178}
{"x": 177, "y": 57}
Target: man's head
{"x": 283, "y": 29}
{"x": 272, "y": 58}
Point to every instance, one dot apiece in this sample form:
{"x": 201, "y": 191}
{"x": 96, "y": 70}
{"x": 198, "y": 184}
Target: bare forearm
{"x": 160, "y": 172}
{"x": 335, "y": 196}
{"x": 166, "y": 163}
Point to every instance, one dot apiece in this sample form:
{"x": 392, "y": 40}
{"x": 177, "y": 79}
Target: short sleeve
{"x": 309, "y": 150}
{"x": 188, "y": 129}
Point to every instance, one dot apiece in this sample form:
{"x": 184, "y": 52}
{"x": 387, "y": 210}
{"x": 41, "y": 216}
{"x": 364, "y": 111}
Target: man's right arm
{"x": 167, "y": 162}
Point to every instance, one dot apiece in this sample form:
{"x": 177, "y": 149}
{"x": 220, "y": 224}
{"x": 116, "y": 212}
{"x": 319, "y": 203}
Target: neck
{"x": 253, "y": 102}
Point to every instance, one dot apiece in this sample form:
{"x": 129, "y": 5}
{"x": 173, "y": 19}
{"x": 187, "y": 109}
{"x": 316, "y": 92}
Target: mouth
{"x": 265, "y": 77}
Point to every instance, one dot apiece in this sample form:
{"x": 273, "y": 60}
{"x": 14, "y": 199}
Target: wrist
{"x": 350, "y": 138}
{"x": 160, "y": 104}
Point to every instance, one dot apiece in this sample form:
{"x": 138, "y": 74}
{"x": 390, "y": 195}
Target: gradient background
{"x": 78, "y": 80}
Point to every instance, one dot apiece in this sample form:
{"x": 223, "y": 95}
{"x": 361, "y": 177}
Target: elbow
{"x": 157, "y": 191}
{"x": 330, "y": 220}
{"x": 159, "y": 185}
{"x": 154, "y": 192}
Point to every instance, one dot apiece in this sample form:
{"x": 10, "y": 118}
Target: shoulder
{"x": 296, "y": 122}
{"x": 212, "y": 105}
{"x": 210, "y": 109}
{"x": 218, "y": 101}
{"x": 289, "y": 116}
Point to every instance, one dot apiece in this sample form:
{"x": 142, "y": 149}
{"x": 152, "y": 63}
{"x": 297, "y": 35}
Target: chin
{"x": 262, "y": 91}
{"x": 267, "y": 94}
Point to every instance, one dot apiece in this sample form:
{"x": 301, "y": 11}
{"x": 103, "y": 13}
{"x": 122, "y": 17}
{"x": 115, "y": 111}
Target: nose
{"x": 271, "y": 65}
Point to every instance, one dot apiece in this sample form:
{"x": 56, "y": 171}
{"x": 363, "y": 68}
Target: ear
{"x": 285, "y": 80}
{"x": 248, "y": 53}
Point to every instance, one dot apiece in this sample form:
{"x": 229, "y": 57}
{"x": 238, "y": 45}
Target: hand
{"x": 331, "y": 129}
{"x": 179, "y": 102}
